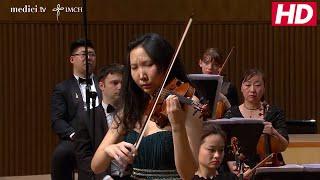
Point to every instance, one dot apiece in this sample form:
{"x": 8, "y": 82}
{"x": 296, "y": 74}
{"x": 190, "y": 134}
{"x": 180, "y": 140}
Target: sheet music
{"x": 208, "y": 86}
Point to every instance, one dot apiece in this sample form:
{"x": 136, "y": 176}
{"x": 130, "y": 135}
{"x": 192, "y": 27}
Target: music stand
{"x": 311, "y": 171}
{"x": 207, "y": 87}
{"x": 289, "y": 171}
{"x": 247, "y": 131}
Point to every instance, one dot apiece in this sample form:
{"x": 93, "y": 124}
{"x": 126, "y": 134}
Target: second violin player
{"x": 253, "y": 107}
{"x": 211, "y": 63}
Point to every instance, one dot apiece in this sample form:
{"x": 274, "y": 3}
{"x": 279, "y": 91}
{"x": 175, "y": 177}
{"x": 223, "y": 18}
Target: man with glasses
{"x": 67, "y": 102}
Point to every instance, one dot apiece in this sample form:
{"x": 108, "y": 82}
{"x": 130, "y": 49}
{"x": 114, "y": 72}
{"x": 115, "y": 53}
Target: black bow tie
{"x": 83, "y": 81}
{"x": 110, "y": 108}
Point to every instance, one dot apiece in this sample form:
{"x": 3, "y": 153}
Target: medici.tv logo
{"x": 294, "y": 14}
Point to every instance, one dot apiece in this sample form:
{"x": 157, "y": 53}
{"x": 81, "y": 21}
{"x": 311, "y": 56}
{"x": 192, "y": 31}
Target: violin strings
{"x": 180, "y": 97}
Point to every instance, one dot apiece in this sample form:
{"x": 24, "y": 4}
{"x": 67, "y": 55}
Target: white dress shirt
{"x": 83, "y": 92}
{"x": 109, "y": 116}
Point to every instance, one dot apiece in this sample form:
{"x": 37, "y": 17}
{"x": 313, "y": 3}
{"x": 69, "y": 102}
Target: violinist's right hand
{"x": 122, "y": 152}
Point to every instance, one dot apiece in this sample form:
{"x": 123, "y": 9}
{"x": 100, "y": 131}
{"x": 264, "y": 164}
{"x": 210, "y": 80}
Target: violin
{"x": 239, "y": 157}
{"x": 184, "y": 92}
{"x": 221, "y": 107}
{"x": 235, "y": 146}
{"x": 245, "y": 172}
{"x": 269, "y": 144}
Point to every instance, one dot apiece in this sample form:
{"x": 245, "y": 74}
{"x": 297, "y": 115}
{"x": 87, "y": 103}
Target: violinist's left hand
{"x": 268, "y": 128}
{"x": 176, "y": 114}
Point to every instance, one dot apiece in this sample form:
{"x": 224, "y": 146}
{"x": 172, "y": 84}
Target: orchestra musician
{"x": 211, "y": 153}
{"x": 254, "y": 106}
{"x": 163, "y": 152}
{"x": 211, "y": 63}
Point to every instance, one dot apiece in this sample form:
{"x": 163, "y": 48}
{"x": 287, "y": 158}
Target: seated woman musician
{"x": 211, "y": 63}
{"x": 163, "y": 152}
{"x": 211, "y": 153}
{"x": 254, "y": 106}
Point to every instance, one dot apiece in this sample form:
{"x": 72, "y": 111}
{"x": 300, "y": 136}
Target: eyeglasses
{"x": 83, "y": 55}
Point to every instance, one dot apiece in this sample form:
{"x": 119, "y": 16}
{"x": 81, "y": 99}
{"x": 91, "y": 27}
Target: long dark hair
{"x": 134, "y": 99}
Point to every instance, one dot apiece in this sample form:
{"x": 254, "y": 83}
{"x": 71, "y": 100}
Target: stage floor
{"x": 34, "y": 177}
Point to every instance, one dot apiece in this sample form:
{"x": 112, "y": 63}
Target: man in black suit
{"x": 91, "y": 132}
{"x": 67, "y": 102}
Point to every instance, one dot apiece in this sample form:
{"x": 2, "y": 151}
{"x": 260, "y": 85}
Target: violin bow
{"x": 144, "y": 127}
{"x": 261, "y": 163}
{"x": 225, "y": 61}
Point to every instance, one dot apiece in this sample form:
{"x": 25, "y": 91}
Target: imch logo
{"x": 294, "y": 14}
{"x": 57, "y": 10}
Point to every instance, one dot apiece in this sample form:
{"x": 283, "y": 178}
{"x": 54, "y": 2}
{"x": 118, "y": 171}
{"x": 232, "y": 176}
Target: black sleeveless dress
{"x": 155, "y": 159}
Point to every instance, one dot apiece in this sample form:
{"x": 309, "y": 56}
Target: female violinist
{"x": 211, "y": 63}
{"x": 254, "y": 106}
{"x": 163, "y": 152}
